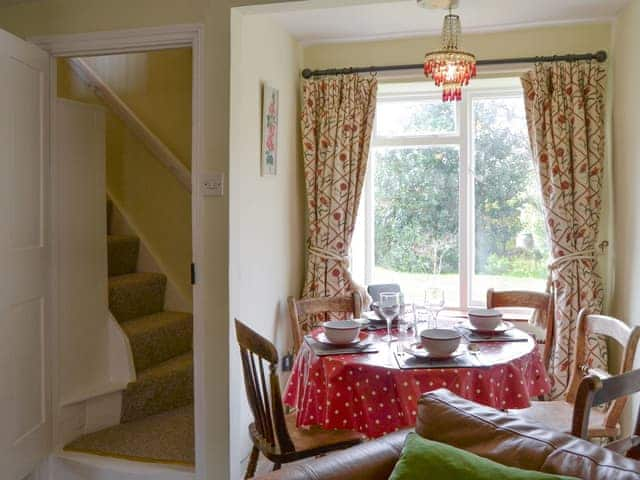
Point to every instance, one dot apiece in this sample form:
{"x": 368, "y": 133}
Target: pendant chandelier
{"x": 450, "y": 67}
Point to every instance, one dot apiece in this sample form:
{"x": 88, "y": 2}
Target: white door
{"x": 25, "y": 421}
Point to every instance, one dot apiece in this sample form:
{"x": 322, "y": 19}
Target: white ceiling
{"x": 8, "y": 3}
{"x": 310, "y": 23}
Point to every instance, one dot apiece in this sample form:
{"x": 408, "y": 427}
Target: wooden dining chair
{"x": 542, "y": 303}
{"x": 306, "y": 313}
{"x": 594, "y": 391}
{"x": 375, "y": 290}
{"x": 629, "y": 446}
{"x": 273, "y": 433}
{"x": 602, "y": 423}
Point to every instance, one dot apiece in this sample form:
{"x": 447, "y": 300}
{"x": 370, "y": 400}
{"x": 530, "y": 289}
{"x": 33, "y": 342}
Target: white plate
{"x": 372, "y": 317}
{"x": 415, "y": 349}
{"x": 503, "y": 327}
{"x": 322, "y": 338}
{"x": 363, "y": 321}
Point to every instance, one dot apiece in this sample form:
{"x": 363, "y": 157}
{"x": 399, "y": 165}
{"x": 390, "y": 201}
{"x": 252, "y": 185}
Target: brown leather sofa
{"x": 504, "y": 438}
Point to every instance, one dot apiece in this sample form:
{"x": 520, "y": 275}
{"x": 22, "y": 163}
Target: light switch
{"x": 212, "y": 184}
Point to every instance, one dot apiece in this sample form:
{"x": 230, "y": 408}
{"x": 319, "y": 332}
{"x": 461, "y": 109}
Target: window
{"x": 451, "y": 196}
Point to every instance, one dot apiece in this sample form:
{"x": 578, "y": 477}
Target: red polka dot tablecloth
{"x": 369, "y": 393}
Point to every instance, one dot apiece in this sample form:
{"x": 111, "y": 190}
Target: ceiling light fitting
{"x": 450, "y": 67}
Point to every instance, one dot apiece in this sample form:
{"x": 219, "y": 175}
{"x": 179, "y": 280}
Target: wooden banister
{"x": 131, "y": 120}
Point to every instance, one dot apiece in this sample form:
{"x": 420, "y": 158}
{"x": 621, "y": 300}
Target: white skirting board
{"x": 77, "y": 466}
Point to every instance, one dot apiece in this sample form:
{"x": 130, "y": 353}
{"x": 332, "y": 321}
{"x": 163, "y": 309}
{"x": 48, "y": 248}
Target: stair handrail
{"x": 111, "y": 99}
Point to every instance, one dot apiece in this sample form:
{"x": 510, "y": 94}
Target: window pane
{"x": 511, "y": 247}
{"x": 415, "y": 118}
{"x": 416, "y": 219}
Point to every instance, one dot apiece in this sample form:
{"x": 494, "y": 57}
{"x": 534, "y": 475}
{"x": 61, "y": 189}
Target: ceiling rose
{"x": 438, "y": 4}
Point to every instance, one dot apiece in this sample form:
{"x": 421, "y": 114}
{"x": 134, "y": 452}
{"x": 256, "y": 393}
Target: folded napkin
{"x": 324, "y": 349}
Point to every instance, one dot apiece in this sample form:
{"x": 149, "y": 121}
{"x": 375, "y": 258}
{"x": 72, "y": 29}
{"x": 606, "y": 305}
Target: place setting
{"x": 436, "y": 348}
{"x": 340, "y": 337}
{"x": 487, "y": 325}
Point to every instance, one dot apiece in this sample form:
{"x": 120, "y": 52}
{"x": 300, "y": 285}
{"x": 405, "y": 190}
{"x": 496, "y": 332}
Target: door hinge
{"x": 193, "y": 274}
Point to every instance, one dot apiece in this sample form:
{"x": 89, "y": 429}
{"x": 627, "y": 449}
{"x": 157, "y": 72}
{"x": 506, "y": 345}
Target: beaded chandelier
{"x": 450, "y": 67}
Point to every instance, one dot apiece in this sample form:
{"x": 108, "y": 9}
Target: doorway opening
{"x": 140, "y": 107}
{"x": 139, "y": 404}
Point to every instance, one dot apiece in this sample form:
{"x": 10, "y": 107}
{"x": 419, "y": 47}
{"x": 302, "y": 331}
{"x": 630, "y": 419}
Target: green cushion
{"x": 422, "y": 458}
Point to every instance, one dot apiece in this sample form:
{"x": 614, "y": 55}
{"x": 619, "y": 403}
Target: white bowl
{"x": 341, "y": 332}
{"x": 485, "y": 319}
{"x": 440, "y": 342}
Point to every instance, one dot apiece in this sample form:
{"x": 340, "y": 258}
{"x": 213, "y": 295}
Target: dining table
{"x": 376, "y": 389}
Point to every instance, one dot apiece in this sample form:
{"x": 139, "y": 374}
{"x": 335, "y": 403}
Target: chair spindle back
{"x": 594, "y": 390}
{"x": 610, "y": 327}
{"x": 263, "y": 389}
{"x": 541, "y": 302}
{"x": 306, "y": 313}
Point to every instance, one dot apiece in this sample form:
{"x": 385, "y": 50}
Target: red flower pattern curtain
{"x": 565, "y": 116}
{"x": 337, "y": 123}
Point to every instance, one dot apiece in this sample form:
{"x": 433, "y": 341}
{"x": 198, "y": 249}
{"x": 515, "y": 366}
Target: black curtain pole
{"x": 600, "y": 56}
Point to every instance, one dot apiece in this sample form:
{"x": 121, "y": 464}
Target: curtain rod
{"x": 600, "y": 56}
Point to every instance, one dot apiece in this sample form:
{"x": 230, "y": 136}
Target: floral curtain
{"x": 337, "y": 123}
{"x": 565, "y": 116}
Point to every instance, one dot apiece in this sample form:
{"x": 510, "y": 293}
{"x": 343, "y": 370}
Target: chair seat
{"x": 308, "y": 442}
{"x": 316, "y": 438}
{"x": 634, "y": 453}
{"x": 627, "y": 447}
{"x": 558, "y": 415}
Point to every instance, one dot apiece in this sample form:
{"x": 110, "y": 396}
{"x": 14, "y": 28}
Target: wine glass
{"x": 389, "y": 308}
{"x": 407, "y": 318}
{"x": 434, "y": 301}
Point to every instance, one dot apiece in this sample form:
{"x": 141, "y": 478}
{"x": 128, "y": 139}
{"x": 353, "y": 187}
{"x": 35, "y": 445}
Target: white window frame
{"x": 462, "y": 139}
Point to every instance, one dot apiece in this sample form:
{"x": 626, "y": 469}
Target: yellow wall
{"x": 212, "y": 361}
{"x": 626, "y": 166}
{"x": 157, "y": 87}
{"x": 517, "y": 43}
{"x": 266, "y": 257}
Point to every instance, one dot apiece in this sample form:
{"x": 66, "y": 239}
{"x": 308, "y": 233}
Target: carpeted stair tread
{"x": 122, "y": 254}
{"x": 166, "y": 437}
{"x": 158, "y": 337}
{"x": 163, "y": 387}
{"x": 136, "y": 295}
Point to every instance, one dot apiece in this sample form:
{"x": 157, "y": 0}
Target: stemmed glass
{"x": 389, "y": 308}
{"x": 434, "y": 301}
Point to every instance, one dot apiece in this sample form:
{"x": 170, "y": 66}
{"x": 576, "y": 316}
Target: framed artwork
{"x": 270, "y": 116}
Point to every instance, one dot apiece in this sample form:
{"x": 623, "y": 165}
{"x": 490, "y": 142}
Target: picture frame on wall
{"x": 270, "y": 123}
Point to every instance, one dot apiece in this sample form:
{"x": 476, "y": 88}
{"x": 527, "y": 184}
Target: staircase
{"x": 156, "y": 424}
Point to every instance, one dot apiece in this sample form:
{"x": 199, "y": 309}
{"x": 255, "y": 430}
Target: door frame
{"x": 133, "y": 41}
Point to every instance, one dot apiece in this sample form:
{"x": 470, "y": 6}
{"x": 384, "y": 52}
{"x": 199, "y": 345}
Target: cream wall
{"x": 266, "y": 213}
{"x": 157, "y": 87}
{"x": 626, "y": 166}
{"x": 518, "y": 43}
